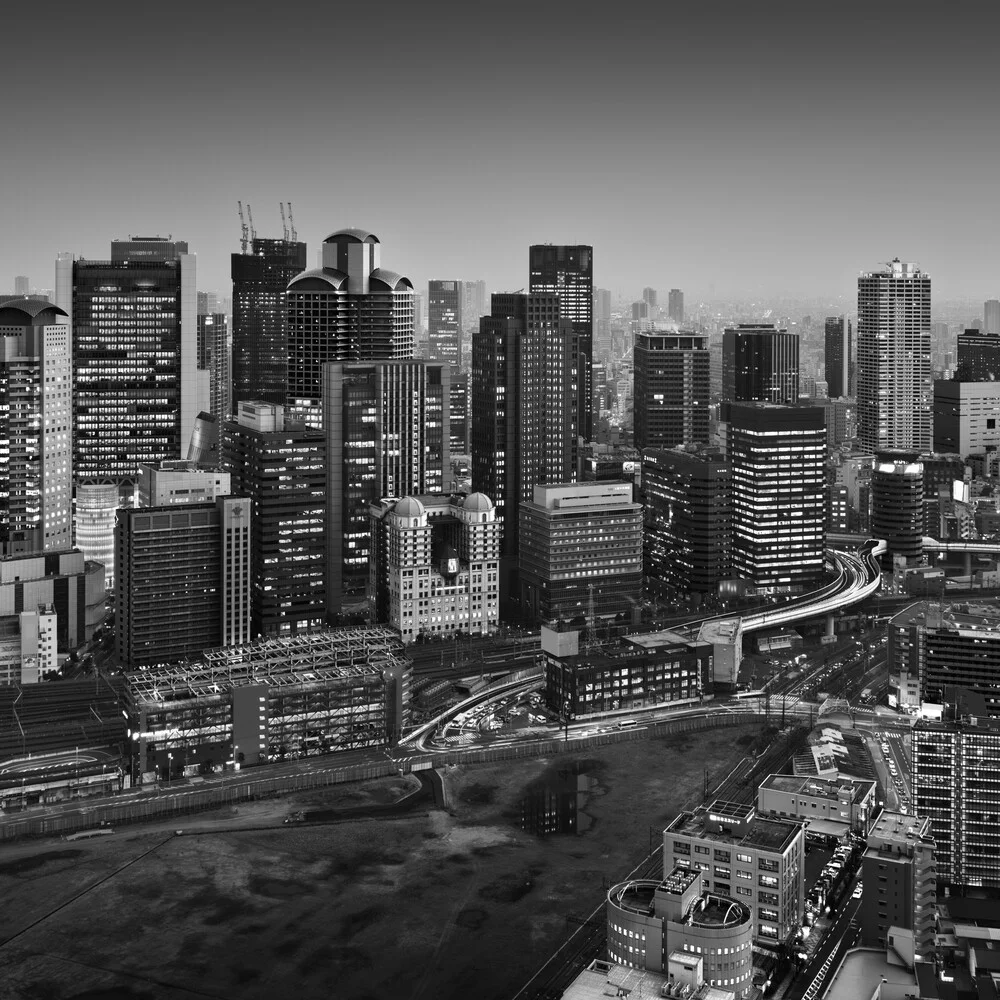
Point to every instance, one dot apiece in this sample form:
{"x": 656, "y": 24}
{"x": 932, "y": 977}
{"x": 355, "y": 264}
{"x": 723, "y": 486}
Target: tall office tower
{"x": 387, "y": 435}
{"x": 136, "y": 384}
{"x": 281, "y": 466}
{"x": 649, "y": 297}
{"x": 900, "y": 884}
{"x": 956, "y": 785}
{"x": 897, "y": 506}
{"x": 760, "y": 363}
{"x": 459, "y": 413}
{"x": 839, "y": 357}
{"x": 36, "y": 428}
{"x": 894, "y": 358}
{"x": 581, "y": 552}
{"x": 978, "y": 357}
{"x": 178, "y": 481}
{"x": 475, "y": 305}
{"x": 991, "y": 316}
{"x": 444, "y": 321}
{"x": 524, "y": 409}
{"x": 777, "y": 455}
{"x": 672, "y": 389}
{"x": 182, "y": 580}
{"x": 602, "y": 324}
{"x": 213, "y": 357}
{"x": 687, "y": 500}
{"x": 259, "y": 342}
{"x": 434, "y": 565}
{"x": 568, "y": 271}
{"x": 675, "y": 305}
{"x": 21, "y": 286}
{"x": 350, "y": 309}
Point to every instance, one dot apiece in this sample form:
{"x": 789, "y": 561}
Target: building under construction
{"x": 270, "y": 700}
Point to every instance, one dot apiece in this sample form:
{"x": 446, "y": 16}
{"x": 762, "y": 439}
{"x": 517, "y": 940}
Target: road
{"x": 841, "y": 935}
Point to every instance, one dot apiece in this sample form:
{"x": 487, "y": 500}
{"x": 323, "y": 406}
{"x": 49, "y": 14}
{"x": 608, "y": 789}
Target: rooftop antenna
{"x": 284, "y": 224}
{"x": 291, "y": 224}
{"x": 253, "y": 232}
{"x": 244, "y": 231}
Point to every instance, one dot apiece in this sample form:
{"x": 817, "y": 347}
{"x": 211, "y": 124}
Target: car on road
{"x": 858, "y": 891}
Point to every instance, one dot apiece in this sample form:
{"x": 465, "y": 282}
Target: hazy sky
{"x": 758, "y": 148}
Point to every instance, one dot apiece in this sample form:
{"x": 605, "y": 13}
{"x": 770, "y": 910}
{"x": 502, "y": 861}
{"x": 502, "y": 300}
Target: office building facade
{"x": 182, "y": 580}
{"x": 568, "y": 272}
{"x": 966, "y": 417}
{"x": 978, "y": 356}
{"x": 214, "y": 358}
{"x": 777, "y": 457}
{"x": 435, "y": 565}
{"x": 675, "y": 305}
{"x": 280, "y": 466}
{"x": 445, "y": 322}
{"x": 897, "y": 505}
{"x": 350, "y": 309}
{"x": 259, "y": 342}
{"x": 894, "y": 358}
{"x": 991, "y": 317}
{"x": 524, "y": 408}
{"x": 36, "y": 428}
{"x": 687, "y": 505}
{"x": 387, "y": 435}
{"x": 838, "y": 355}
{"x": 180, "y": 482}
{"x": 759, "y": 862}
{"x": 760, "y": 363}
{"x": 580, "y": 552}
{"x": 137, "y": 388}
{"x": 671, "y": 393}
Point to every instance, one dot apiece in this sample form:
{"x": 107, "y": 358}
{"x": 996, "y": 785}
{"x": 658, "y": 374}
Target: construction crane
{"x": 284, "y": 224}
{"x": 291, "y": 224}
{"x": 253, "y": 232}
{"x": 244, "y": 231}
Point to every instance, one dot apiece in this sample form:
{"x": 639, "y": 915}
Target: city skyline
{"x": 752, "y": 182}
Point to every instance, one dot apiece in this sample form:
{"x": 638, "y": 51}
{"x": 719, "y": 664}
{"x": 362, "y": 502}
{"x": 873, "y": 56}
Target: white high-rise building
{"x": 895, "y": 393}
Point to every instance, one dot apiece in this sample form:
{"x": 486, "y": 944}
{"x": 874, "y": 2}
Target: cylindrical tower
{"x": 897, "y": 491}
{"x": 94, "y": 523}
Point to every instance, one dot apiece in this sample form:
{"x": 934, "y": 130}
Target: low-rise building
{"x": 830, "y": 806}
{"x": 758, "y": 861}
{"x": 666, "y": 925}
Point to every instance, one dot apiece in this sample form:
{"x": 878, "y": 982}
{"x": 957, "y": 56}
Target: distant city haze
{"x": 732, "y": 150}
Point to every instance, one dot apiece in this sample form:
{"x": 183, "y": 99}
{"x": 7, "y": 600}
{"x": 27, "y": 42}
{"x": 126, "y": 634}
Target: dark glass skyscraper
{"x": 839, "y": 357}
{"x": 568, "y": 271}
{"x": 524, "y": 409}
{"x": 760, "y": 364}
{"x": 136, "y": 385}
{"x": 444, "y": 321}
{"x": 260, "y": 349}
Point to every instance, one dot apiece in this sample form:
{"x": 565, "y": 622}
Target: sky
{"x": 732, "y": 150}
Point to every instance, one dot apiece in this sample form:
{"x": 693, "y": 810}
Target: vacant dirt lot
{"x": 434, "y": 904}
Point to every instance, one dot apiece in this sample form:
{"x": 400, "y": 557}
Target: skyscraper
{"x": 444, "y": 321}
{"x": 978, "y": 357}
{"x": 991, "y": 316}
{"x": 671, "y": 394}
{"x": 36, "y": 428}
{"x": 760, "y": 364}
{"x": 260, "y": 348}
{"x": 524, "y": 408}
{"x": 350, "y": 309}
{"x": 281, "y": 467}
{"x": 838, "y": 356}
{"x": 777, "y": 455}
{"x": 894, "y": 358}
{"x": 21, "y": 286}
{"x": 136, "y": 384}
{"x": 675, "y": 305}
{"x": 602, "y": 324}
{"x": 387, "y": 435}
{"x": 213, "y": 357}
{"x": 568, "y": 271}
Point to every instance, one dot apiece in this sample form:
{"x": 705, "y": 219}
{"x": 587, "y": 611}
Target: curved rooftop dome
{"x": 28, "y": 312}
{"x": 319, "y": 279}
{"x": 352, "y": 236}
{"x": 389, "y": 280}
{"x": 478, "y": 502}
{"x": 409, "y": 507}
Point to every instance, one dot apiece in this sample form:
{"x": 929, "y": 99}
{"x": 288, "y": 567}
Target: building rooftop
{"x": 679, "y": 880}
{"x": 976, "y": 618}
{"x": 725, "y": 630}
{"x": 825, "y": 788}
{"x": 605, "y": 979}
{"x": 893, "y": 828}
{"x": 761, "y": 834}
{"x": 860, "y": 973}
